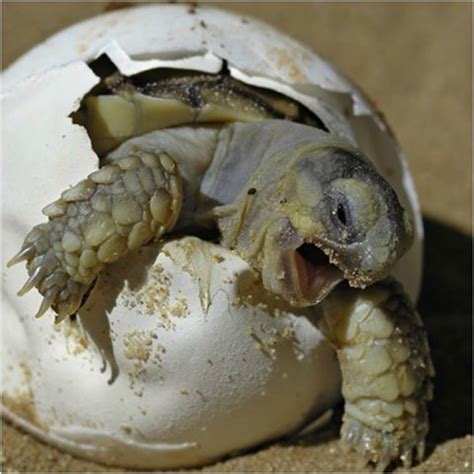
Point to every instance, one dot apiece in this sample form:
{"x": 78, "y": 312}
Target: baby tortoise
{"x": 201, "y": 153}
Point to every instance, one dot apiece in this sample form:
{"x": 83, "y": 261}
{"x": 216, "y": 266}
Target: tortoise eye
{"x": 341, "y": 214}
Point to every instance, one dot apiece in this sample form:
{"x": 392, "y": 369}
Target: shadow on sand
{"x": 446, "y": 307}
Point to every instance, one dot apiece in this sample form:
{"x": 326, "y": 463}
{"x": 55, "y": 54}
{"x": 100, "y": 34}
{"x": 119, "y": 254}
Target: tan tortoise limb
{"x": 118, "y": 208}
{"x": 386, "y": 371}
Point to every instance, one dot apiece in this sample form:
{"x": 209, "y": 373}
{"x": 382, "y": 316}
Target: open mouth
{"x": 316, "y": 275}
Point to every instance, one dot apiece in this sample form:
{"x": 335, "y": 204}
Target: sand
{"x": 320, "y": 453}
{"x": 414, "y": 60}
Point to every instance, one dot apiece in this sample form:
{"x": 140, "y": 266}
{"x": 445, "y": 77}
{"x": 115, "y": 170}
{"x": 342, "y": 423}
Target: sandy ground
{"x": 317, "y": 453}
{"x": 415, "y": 60}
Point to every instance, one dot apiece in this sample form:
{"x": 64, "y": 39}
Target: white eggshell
{"x": 149, "y": 376}
{"x": 190, "y": 411}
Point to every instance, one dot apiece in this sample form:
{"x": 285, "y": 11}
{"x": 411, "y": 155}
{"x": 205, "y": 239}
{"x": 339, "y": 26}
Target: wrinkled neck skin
{"x": 251, "y": 177}
{"x": 257, "y": 227}
{"x": 275, "y": 188}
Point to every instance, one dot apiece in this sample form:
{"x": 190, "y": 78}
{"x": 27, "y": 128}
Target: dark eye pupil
{"x": 341, "y": 214}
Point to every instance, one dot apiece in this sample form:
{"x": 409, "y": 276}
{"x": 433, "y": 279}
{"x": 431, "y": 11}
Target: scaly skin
{"x": 301, "y": 180}
{"x": 116, "y": 209}
{"x": 314, "y": 190}
{"x": 296, "y": 187}
{"x": 386, "y": 371}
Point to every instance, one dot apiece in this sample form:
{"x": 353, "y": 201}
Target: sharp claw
{"x": 32, "y": 281}
{"x": 69, "y": 305}
{"x": 55, "y": 279}
{"x": 407, "y": 458}
{"x": 48, "y": 300}
{"x": 22, "y": 255}
{"x": 420, "y": 450}
{"x": 61, "y": 309}
{"x": 75, "y": 300}
{"x": 384, "y": 461}
{"x": 61, "y": 317}
{"x": 345, "y": 447}
{"x": 363, "y": 461}
{"x": 377, "y": 448}
{"x": 353, "y": 434}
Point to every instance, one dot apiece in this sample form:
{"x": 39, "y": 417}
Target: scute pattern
{"x": 116, "y": 209}
{"x": 386, "y": 369}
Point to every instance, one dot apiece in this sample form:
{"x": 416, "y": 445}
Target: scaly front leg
{"x": 386, "y": 370}
{"x": 116, "y": 209}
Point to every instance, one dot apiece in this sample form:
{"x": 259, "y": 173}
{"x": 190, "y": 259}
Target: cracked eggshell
{"x": 57, "y": 370}
{"x": 200, "y": 39}
{"x": 179, "y": 357}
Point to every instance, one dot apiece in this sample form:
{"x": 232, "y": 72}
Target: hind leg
{"x": 386, "y": 369}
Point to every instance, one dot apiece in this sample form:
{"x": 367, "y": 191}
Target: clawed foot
{"x": 386, "y": 372}
{"x": 46, "y": 273}
{"x": 378, "y": 448}
{"x": 116, "y": 209}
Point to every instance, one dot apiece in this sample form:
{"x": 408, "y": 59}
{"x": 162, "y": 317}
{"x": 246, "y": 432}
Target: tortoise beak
{"x": 299, "y": 271}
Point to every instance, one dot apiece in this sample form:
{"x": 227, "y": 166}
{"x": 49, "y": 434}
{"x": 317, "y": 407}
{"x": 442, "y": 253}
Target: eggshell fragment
{"x": 41, "y": 147}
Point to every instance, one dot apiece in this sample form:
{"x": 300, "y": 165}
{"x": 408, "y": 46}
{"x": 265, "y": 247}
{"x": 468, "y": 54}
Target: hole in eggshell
{"x": 271, "y": 103}
{"x": 103, "y": 66}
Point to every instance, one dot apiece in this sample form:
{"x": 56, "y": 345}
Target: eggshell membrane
{"x": 74, "y": 406}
